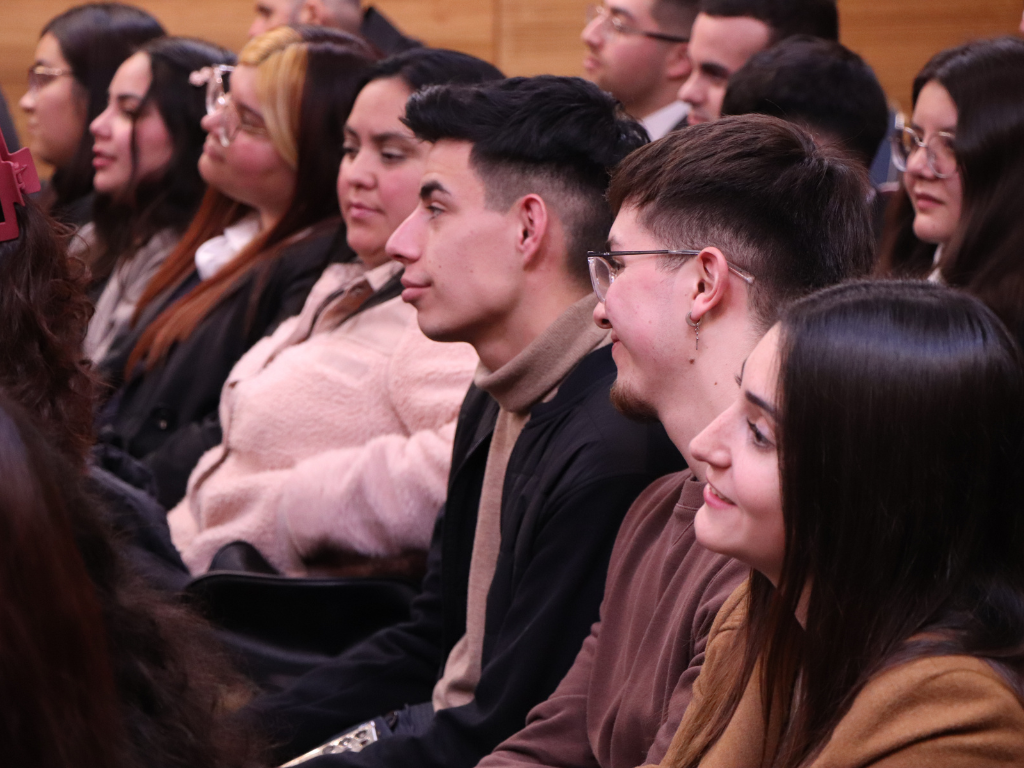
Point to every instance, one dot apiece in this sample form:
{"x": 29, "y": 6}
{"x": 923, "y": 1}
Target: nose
{"x": 406, "y": 243}
{"x": 691, "y": 91}
{"x": 28, "y": 102}
{"x": 917, "y": 162}
{"x": 356, "y": 171}
{"x": 601, "y": 316}
{"x": 592, "y": 35}
{"x": 709, "y": 446}
{"x": 258, "y": 27}
{"x": 99, "y": 127}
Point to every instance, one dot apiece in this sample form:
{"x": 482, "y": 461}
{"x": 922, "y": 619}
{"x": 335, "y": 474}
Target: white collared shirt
{"x": 659, "y": 123}
{"x": 212, "y": 255}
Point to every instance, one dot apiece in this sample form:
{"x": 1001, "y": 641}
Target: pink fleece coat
{"x": 340, "y": 441}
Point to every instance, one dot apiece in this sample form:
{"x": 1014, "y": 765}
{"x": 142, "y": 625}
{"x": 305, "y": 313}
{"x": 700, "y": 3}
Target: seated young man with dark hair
{"x": 543, "y": 467}
{"x": 718, "y": 227}
{"x": 726, "y": 33}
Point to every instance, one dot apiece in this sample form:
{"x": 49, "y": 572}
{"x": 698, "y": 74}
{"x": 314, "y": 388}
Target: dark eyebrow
{"x": 711, "y": 69}
{"x": 430, "y": 188}
{"x": 763, "y": 405}
{"x": 381, "y": 138}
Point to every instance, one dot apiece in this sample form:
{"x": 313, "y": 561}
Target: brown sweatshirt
{"x": 621, "y": 701}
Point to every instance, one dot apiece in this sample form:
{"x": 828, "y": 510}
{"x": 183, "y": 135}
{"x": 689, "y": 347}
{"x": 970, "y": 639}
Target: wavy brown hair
{"x": 45, "y": 313}
{"x": 95, "y": 668}
{"x": 306, "y": 82}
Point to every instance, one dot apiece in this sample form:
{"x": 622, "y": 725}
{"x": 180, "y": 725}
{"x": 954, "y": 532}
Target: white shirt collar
{"x": 216, "y": 252}
{"x": 659, "y": 123}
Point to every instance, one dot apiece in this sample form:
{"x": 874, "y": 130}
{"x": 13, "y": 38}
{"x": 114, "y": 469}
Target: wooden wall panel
{"x": 526, "y": 37}
{"x": 897, "y": 38}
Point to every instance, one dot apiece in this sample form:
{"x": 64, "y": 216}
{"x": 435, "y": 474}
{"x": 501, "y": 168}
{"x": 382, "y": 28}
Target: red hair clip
{"x": 17, "y": 177}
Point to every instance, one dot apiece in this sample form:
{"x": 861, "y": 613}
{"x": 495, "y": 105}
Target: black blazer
{"x": 574, "y": 471}
{"x": 167, "y": 416}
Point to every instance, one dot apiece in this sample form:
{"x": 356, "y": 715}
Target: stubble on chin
{"x": 631, "y": 405}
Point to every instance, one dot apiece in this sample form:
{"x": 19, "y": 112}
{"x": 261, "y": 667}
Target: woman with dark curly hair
{"x": 45, "y": 313}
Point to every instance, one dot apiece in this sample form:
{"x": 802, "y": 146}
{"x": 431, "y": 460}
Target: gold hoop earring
{"x": 696, "y": 329}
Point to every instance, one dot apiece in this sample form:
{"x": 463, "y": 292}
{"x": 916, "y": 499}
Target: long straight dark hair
{"x": 94, "y": 38}
{"x": 901, "y": 452}
{"x": 985, "y": 79}
{"x": 334, "y": 64}
{"x": 169, "y": 199}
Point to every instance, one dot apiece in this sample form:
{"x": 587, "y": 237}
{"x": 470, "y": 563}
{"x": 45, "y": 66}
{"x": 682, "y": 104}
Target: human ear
{"x": 677, "y": 62}
{"x": 532, "y": 221}
{"x": 312, "y": 12}
{"x": 712, "y": 282}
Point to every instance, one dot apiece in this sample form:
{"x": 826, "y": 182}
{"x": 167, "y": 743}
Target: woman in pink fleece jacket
{"x": 337, "y": 429}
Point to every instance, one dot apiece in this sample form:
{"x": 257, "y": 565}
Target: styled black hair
{"x": 819, "y": 84}
{"x": 94, "y": 39}
{"x": 126, "y": 222}
{"x": 420, "y": 67}
{"x": 795, "y": 214}
{"x": 558, "y": 136}
{"x": 819, "y": 18}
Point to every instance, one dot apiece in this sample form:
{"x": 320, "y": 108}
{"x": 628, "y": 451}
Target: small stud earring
{"x": 696, "y": 329}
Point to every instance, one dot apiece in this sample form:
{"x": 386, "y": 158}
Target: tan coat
{"x": 935, "y": 712}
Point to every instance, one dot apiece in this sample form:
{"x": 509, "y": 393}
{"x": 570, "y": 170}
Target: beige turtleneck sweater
{"x": 531, "y": 377}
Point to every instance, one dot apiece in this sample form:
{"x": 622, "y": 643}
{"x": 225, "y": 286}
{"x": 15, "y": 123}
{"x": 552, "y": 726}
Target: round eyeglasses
{"x": 220, "y": 105}
{"x": 605, "y": 267}
{"x": 612, "y": 23}
{"x": 40, "y": 76}
{"x": 940, "y": 151}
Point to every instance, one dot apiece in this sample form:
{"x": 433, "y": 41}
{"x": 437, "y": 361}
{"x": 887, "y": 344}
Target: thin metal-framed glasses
{"x": 603, "y": 272}
{"x": 220, "y": 106}
{"x": 40, "y": 76}
{"x": 939, "y": 149}
{"x": 611, "y": 22}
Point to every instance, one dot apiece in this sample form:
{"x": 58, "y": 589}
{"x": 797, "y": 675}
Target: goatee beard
{"x": 631, "y": 405}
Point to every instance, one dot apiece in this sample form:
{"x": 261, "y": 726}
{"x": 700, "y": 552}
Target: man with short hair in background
{"x": 636, "y": 51}
{"x": 726, "y": 33}
{"x": 346, "y": 15}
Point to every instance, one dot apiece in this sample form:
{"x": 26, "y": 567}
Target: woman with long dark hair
{"x": 147, "y": 144}
{"x": 870, "y": 473}
{"x": 959, "y": 219}
{"x": 78, "y": 52}
{"x": 264, "y": 233}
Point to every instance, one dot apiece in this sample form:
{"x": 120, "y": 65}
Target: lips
{"x": 101, "y": 159}
{"x": 713, "y": 498}
{"x": 411, "y": 291}
{"x": 924, "y": 200}
{"x": 359, "y": 211}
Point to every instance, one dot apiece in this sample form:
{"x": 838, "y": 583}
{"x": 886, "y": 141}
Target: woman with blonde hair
{"x": 265, "y": 231}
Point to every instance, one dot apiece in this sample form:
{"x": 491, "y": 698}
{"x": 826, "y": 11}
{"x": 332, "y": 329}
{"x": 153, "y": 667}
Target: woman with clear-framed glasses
{"x": 76, "y": 57}
{"x": 962, "y": 157}
{"x": 266, "y": 229}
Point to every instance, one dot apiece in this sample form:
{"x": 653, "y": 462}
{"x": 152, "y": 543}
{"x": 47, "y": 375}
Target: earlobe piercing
{"x": 696, "y": 329}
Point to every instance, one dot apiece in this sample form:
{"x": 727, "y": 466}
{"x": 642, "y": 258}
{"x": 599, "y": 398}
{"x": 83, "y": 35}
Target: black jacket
{"x": 167, "y": 416}
{"x": 574, "y": 471}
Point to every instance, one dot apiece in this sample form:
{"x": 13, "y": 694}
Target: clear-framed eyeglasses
{"x": 217, "y": 81}
{"x": 39, "y": 76}
{"x": 219, "y": 105}
{"x": 940, "y": 150}
{"x": 610, "y": 23}
{"x": 605, "y": 267}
